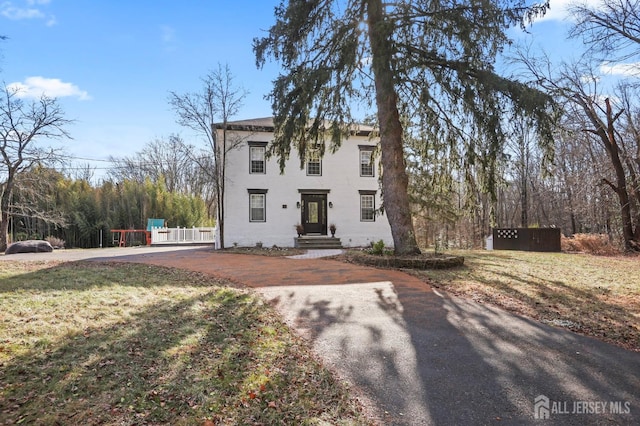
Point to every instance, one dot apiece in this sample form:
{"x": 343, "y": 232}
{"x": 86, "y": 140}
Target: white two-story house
{"x": 264, "y": 206}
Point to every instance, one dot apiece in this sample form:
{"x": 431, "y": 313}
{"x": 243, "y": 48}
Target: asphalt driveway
{"x": 421, "y": 357}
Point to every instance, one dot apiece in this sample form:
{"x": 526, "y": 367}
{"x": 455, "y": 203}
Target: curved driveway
{"x": 422, "y": 357}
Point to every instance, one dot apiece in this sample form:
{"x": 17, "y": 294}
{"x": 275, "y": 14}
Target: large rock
{"x": 29, "y": 246}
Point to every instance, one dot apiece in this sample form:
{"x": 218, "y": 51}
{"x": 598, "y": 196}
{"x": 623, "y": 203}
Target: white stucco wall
{"x": 340, "y": 175}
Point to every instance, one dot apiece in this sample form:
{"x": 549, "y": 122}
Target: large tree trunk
{"x": 4, "y": 230}
{"x": 394, "y": 175}
{"x": 524, "y": 203}
{"x": 621, "y": 180}
{"x": 524, "y": 179}
{"x": 5, "y": 200}
{"x": 219, "y": 177}
{"x": 608, "y": 138}
{"x": 4, "y": 216}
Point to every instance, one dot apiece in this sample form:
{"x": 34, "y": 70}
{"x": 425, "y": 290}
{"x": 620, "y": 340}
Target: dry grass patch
{"x": 89, "y": 343}
{"x": 590, "y": 243}
{"x": 593, "y": 295}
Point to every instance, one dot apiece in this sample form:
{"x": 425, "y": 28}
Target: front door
{"x": 314, "y": 214}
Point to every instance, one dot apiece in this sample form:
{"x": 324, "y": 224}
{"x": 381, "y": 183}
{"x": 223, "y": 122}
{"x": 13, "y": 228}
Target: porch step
{"x": 317, "y": 242}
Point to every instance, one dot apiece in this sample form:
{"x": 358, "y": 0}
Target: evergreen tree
{"x": 429, "y": 61}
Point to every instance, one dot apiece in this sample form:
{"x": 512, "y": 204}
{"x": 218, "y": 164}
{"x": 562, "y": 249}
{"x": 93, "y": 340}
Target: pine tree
{"x": 427, "y": 65}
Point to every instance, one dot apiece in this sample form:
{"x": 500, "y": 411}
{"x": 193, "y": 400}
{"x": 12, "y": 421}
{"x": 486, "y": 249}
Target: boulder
{"x": 29, "y": 246}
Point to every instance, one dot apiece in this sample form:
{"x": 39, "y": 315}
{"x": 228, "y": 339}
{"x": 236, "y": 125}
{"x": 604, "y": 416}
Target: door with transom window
{"x": 314, "y": 214}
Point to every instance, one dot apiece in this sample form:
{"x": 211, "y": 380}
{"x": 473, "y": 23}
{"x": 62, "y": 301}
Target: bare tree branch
{"x": 205, "y": 112}
{"x": 23, "y": 126}
{"x": 612, "y": 26}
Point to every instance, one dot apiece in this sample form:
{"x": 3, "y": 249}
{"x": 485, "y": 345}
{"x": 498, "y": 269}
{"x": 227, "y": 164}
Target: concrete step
{"x": 317, "y": 242}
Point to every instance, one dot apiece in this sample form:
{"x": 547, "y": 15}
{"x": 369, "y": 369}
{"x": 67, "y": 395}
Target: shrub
{"x": 590, "y": 243}
{"x": 56, "y": 243}
{"x": 377, "y": 248}
{"x": 21, "y": 236}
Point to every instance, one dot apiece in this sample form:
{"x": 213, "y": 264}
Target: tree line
{"x": 46, "y": 203}
{"x": 168, "y": 179}
{"x": 592, "y": 183}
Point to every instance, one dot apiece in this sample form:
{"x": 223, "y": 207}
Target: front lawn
{"x": 597, "y": 296}
{"x": 99, "y": 343}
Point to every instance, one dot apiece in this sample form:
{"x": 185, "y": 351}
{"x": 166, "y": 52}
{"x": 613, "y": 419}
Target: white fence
{"x": 183, "y": 236}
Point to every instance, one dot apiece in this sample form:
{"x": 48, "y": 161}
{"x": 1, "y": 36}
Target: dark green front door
{"x": 314, "y": 214}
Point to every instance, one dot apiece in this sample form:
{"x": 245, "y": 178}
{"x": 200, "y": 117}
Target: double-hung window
{"x": 257, "y": 151}
{"x": 367, "y": 206}
{"x": 257, "y": 205}
{"x": 314, "y": 163}
{"x": 366, "y": 160}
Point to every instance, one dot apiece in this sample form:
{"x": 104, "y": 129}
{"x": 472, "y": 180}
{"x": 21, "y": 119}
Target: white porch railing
{"x": 183, "y": 235}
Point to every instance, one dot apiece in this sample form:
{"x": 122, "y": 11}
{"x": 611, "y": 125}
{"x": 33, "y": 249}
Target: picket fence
{"x": 179, "y": 235}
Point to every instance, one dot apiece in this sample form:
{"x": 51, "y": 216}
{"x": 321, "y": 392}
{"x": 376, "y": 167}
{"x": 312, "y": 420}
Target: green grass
{"x": 88, "y": 343}
{"x": 594, "y": 295}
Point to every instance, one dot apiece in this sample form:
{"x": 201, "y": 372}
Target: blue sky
{"x": 112, "y": 63}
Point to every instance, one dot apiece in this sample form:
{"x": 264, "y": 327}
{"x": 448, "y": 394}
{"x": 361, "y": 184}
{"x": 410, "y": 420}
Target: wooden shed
{"x": 526, "y": 239}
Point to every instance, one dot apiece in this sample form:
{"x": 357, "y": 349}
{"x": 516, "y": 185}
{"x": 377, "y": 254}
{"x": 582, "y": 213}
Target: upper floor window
{"x": 257, "y": 151}
{"x": 314, "y": 163}
{"x": 366, "y": 161}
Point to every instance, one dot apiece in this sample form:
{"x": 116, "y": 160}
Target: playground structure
{"x": 131, "y": 237}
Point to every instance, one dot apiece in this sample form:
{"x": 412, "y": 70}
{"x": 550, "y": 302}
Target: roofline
{"x": 249, "y": 126}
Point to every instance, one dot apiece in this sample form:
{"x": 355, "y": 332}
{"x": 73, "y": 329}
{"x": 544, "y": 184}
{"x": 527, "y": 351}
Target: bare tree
{"x": 170, "y": 161}
{"x": 165, "y": 160}
{"x": 611, "y": 28}
{"x": 85, "y": 172}
{"x": 205, "y": 112}
{"x": 604, "y": 120}
{"x": 34, "y": 201}
{"x": 630, "y": 147}
{"x": 578, "y": 85}
{"x": 521, "y": 149}
{"x": 22, "y": 126}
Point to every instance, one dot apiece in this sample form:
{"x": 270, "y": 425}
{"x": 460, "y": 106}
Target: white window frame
{"x": 257, "y": 154}
{"x": 368, "y": 206}
{"x": 366, "y": 160}
{"x": 257, "y": 203}
{"x": 313, "y": 157}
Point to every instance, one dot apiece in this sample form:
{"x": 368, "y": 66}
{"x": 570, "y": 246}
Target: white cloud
{"x": 35, "y": 87}
{"x": 27, "y": 10}
{"x": 16, "y": 13}
{"x": 628, "y": 70}
{"x": 168, "y": 33}
{"x": 168, "y": 37}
